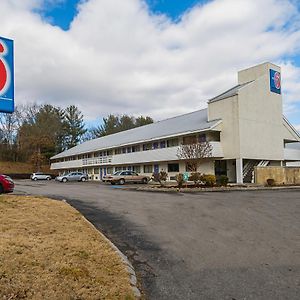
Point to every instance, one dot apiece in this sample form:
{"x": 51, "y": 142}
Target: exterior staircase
{"x": 262, "y": 163}
{"x": 248, "y": 170}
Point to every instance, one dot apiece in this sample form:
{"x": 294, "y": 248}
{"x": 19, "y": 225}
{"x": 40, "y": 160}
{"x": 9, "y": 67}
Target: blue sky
{"x": 61, "y": 13}
{"x": 118, "y": 57}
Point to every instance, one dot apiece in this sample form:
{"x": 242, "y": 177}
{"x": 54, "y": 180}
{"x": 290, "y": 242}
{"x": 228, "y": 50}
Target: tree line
{"x": 34, "y": 133}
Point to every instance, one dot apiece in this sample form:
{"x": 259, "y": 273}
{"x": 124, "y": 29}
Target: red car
{"x": 6, "y": 184}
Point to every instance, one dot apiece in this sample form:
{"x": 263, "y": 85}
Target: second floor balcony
{"x": 157, "y": 155}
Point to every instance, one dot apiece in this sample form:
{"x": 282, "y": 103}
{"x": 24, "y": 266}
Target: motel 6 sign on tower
{"x": 6, "y": 75}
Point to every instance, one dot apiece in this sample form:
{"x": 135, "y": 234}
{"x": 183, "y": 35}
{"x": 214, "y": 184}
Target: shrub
{"x": 195, "y": 177}
{"x": 223, "y": 180}
{"x": 160, "y": 177}
{"x": 208, "y": 180}
{"x": 270, "y": 182}
{"x": 179, "y": 179}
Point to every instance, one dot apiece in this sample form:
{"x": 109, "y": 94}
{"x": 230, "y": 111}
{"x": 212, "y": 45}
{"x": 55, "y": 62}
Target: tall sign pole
{"x": 7, "y": 89}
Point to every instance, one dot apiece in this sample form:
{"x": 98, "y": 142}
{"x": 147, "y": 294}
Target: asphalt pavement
{"x": 226, "y": 245}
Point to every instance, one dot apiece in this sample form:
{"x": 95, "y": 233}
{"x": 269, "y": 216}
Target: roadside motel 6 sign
{"x": 6, "y": 75}
{"x": 275, "y": 81}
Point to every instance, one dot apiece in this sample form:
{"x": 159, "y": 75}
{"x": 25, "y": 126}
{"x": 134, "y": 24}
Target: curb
{"x": 191, "y": 191}
{"x": 128, "y": 266}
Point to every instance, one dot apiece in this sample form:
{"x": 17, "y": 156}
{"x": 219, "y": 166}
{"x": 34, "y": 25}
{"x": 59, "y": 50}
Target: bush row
{"x": 207, "y": 180}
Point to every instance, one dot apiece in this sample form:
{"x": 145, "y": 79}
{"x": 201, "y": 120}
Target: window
{"x": 187, "y": 140}
{"x": 147, "y": 147}
{"x": 189, "y": 167}
{"x": 172, "y": 143}
{"x": 155, "y": 145}
{"x": 96, "y": 171}
{"x": 129, "y": 150}
{"x": 136, "y": 169}
{"x": 148, "y": 168}
{"x": 136, "y": 148}
{"x": 118, "y": 151}
{"x": 109, "y": 170}
{"x": 163, "y": 144}
{"x": 117, "y": 169}
{"x": 123, "y": 150}
{"x": 173, "y": 167}
{"x": 202, "y": 138}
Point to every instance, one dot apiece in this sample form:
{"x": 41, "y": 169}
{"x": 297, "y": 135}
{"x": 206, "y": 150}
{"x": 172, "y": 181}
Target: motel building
{"x": 244, "y": 125}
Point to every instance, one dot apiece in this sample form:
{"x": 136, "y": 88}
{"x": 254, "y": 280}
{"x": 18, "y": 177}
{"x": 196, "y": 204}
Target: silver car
{"x": 40, "y": 176}
{"x": 73, "y": 176}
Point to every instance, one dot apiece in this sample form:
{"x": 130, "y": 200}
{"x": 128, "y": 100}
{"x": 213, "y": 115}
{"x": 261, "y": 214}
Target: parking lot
{"x": 230, "y": 245}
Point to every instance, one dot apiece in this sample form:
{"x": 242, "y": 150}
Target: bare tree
{"x": 194, "y": 154}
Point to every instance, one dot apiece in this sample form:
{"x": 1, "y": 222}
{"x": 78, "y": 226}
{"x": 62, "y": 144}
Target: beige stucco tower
{"x": 252, "y": 120}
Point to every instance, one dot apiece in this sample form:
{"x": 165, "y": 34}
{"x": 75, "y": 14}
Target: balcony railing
{"x": 104, "y": 160}
{"x": 165, "y": 154}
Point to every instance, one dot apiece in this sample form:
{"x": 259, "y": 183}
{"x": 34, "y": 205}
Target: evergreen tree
{"x": 113, "y": 124}
{"x": 74, "y": 126}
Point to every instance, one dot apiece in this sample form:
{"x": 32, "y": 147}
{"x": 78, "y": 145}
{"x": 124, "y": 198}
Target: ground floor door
{"x": 102, "y": 172}
{"x": 220, "y": 167}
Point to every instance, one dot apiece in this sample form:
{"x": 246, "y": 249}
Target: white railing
{"x": 165, "y": 154}
{"x": 72, "y": 164}
{"x": 104, "y": 160}
{"x": 79, "y": 163}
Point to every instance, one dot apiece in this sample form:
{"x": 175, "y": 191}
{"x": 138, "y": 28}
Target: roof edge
{"x": 293, "y": 129}
{"x": 144, "y": 141}
{"x": 223, "y": 96}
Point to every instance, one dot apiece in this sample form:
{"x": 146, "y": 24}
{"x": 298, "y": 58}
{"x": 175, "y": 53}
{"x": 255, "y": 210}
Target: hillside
{"x": 9, "y": 167}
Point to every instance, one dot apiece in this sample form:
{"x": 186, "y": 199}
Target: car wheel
{"x": 48, "y": 178}
{"x": 121, "y": 181}
{"x": 35, "y": 179}
{"x": 64, "y": 180}
{"x": 144, "y": 180}
{"x": 83, "y": 179}
{"x": 1, "y": 189}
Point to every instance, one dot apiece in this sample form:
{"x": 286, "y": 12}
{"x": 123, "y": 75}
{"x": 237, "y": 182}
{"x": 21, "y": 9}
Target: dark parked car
{"x": 73, "y": 176}
{"x": 6, "y": 184}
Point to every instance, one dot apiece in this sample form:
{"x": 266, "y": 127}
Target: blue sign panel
{"x": 275, "y": 81}
{"x": 6, "y": 75}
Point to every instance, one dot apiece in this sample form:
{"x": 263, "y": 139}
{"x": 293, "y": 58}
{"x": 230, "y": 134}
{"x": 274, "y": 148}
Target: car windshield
{"x": 117, "y": 173}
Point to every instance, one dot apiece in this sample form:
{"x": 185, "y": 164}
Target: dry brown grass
{"x": 8, "y": 167}
{"x": 48, "y": 251}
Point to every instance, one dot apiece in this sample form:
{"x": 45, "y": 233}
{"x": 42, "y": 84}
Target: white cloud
{"x": 119, "y": 58}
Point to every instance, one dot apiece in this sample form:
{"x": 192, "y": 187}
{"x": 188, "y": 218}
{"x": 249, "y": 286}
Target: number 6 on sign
{"x": 6, "y": 75}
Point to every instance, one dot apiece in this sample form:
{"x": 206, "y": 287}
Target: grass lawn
{"x": 48, "y": 251}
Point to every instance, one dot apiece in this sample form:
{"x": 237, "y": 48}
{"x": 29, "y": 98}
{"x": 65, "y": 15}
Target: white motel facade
{"x": 244, "y": 125}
